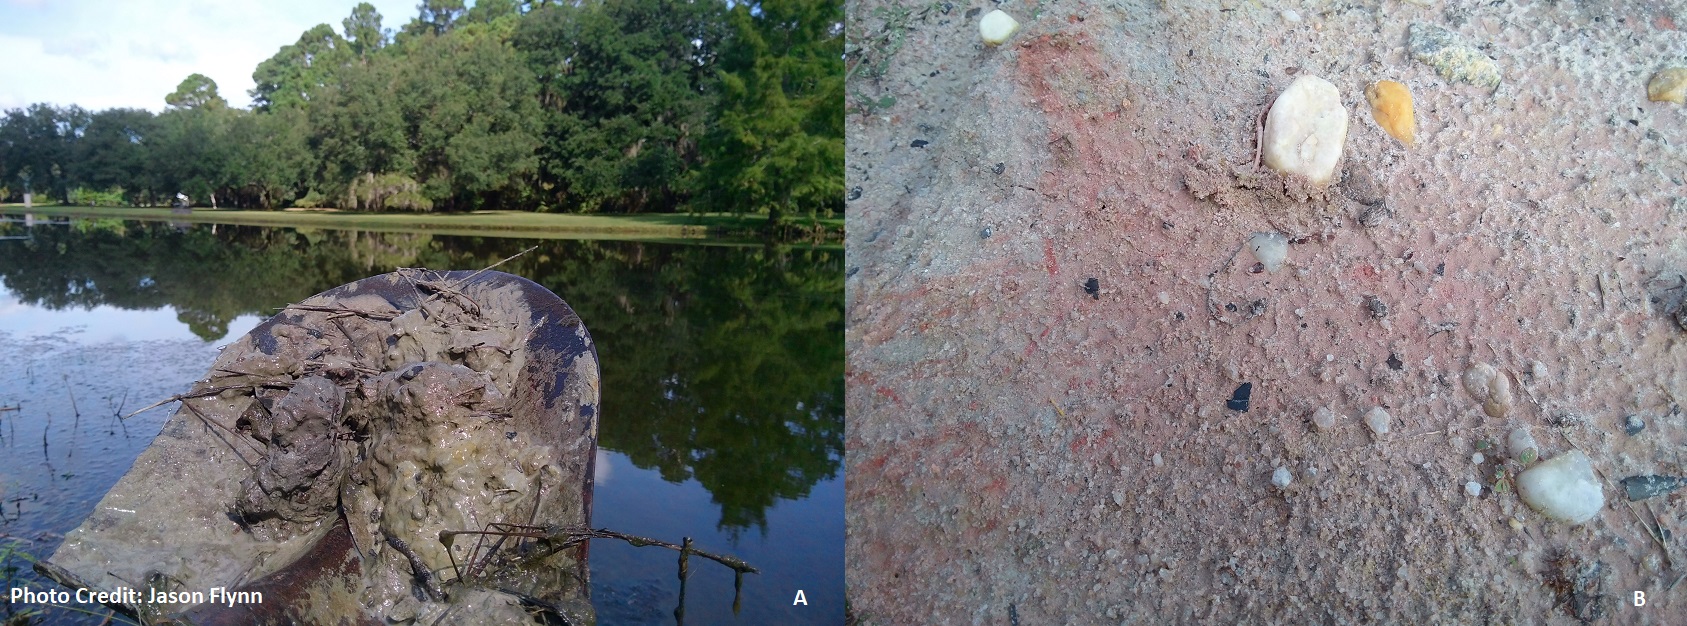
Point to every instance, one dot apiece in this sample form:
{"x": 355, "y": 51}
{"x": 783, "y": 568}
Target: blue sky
{"x": 107, "y": 53}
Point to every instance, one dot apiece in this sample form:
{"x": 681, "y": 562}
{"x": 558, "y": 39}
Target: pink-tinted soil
{"x": 1003, "y": 425}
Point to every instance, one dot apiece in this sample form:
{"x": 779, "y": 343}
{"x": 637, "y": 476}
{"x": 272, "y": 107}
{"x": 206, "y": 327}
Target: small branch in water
{"x": 72, "y": 395}
{"x": 570, "y": 537}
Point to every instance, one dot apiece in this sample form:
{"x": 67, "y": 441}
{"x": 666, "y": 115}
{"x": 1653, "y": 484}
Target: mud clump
{"x": 389, "y": 410}
{"x": 300, "y": 452}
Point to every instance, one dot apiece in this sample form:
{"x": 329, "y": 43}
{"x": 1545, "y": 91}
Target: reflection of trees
{"x": 210, "y": 276}
{"x": 720, "y": 364}
{"x": 724, "y": 365}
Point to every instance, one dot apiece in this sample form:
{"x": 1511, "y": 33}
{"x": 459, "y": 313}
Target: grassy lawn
{"x": 647, "y": 227}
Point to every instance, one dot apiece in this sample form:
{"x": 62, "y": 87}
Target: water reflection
{"x": 722, "y": 367}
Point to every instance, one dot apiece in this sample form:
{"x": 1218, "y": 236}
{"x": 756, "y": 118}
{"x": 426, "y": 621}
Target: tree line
{"x": 579, "y": 106}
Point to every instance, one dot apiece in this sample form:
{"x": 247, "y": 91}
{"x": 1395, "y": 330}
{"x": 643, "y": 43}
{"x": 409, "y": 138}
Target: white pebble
{"x": 1477, "y": 458}
{"x": 1377, "y": 419}
{"x": 1157, "y": 461}
{"x": 1281, "y": 478}
{"x": 1291, "y": 16}
{"x": 1473, "y": 488}
{"x": 1164, "y": 298}
{"x": 1269, "y": 249}
{"x": 1306, "y": 129}
{"x": 1520, "y": 443}
{"x": 1564, "y": 488}
{"x": 996, "y": 27}
{"x": 1324, "y": 418}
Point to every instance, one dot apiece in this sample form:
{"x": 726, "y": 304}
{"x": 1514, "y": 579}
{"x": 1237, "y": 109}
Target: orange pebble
{"x": 1391, "y": 105}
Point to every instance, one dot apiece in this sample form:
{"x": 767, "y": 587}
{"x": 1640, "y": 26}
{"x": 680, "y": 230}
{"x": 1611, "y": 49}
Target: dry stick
{"x": 200, "y": 394}
{"x": 484, "y": 269}
{"x": 72, "y": 395}
{"x": 571, "y": 537}
{"x": 684, "y": 572}
{"x": 340, "y": 309}
{"x": 417, "y": 567}
{"x": 211, "y": 422}
{"x": 1259, "y": 135}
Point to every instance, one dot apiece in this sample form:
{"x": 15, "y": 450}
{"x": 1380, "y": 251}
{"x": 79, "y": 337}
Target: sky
{"x": 103, "y": 54}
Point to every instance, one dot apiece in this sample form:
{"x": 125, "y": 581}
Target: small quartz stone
{"x": 1306, "y": 130}
{"x": 1377, "y": 419}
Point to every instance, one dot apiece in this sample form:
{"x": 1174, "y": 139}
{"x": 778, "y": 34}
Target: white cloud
{"x": 131, "y": 54}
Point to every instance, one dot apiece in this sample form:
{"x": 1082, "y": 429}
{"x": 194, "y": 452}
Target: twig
{"x": 340, "y": 309}
{"x": 1259, "y": 135}
{"x": 1212, "y": 282}
{"x": 208, "y": 392}
{"x": 211, "y": 422}
{"x": 484, "y": 269}
{"x": 1656, "y": 535}
{"x": 570, "y": 537}
{"x": 72, "y": 395}
{"x": 417, "y": 567}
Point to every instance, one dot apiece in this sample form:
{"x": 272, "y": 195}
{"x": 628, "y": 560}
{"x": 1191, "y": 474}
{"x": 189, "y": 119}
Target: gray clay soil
{"x": 1022, "y": 452}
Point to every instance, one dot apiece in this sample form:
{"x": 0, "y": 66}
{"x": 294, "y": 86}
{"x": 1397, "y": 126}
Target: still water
{"x": 722, "y": 389}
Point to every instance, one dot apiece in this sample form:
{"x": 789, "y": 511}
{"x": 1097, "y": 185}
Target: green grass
{"x": 682, "y": 227}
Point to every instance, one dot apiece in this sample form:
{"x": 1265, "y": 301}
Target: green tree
{"x": 778, "y": 139}
{"x": 435, "y": 17}
{"x": 196, "y": 91}
{"x": 294, "y": 75}
{"x": 625, "y": 90}
{"x": 488, "y": 11}
{"x": 113, "y": 152}
{"x": 38, "y": 148}
{"x": 358, "y": 127}
{"x": 269, "y": 158}
{"x": 191, "y": 154}
{"x": 363, "y": 30}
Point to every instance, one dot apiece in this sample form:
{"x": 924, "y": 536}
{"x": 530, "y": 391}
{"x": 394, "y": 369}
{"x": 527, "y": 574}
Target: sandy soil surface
{"x": 1022, "y": 452}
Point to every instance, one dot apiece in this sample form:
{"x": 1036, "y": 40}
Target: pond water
{"x": 722, "y": 389}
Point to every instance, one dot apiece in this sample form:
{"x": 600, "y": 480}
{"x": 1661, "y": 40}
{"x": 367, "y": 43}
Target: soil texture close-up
{"x": 1088, "y": 382}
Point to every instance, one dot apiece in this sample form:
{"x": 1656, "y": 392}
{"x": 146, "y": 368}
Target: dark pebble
{"x": 1440, "y": 269}
{"x": 1643, "y": 487}
{"x": 919, "y": 143}
{"x": 854, "y": 194}
{"x": 1394, "y": 362}
{"x": 999, "y": 168}
{"x": 1633, "y": 425}
{"x": 1093, "y": 288}
{"x": 985, "y": 234}
{"x": 973, "y": 12}
{"x": 1376, "y": 306}
{"x": 852, "y": 271}
{"x": 1239, "y": 400}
